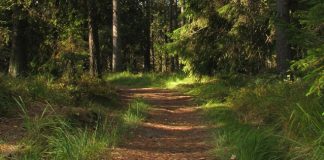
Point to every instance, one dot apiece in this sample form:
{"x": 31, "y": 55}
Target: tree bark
{"x": 116, "y": 60}
{"x": 152, "y": 38}
{"x": 147, "y": 54}
{"x": 166, "y": 56}
{"x": 94, "y": 48}
{"x": 171, "y": 27}
{"x": 17, "y": 63}
{"x": 176, "y": 25}
{"x": 282, "y": 45}
{"x": 183, "y": 19}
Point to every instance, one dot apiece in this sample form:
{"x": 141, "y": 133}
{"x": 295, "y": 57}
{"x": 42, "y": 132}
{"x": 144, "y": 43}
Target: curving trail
{"x": 173, "y": 129}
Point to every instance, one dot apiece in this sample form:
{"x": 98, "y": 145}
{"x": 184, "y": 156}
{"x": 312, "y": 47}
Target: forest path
{"x": 173, "y": 130}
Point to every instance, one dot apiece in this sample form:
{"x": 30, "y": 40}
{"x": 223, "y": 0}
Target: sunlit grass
{"x": 141, "y": 80}
{"x": 256, "y": 118}
{"x": 260, "y": 117}
{"x": 54, "y": 137}
{"x": 135, "y": 113}
{"x": 173, "y": 83}
{"x": 83, "y": 130}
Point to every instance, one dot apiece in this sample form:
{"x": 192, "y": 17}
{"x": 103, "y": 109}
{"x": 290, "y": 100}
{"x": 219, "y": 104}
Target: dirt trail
{"x": 173, "y": 129}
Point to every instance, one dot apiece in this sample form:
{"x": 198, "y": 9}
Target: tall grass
{"x": 261, "y": 117}
{"x": 63, "y": 92}
{"x": 135, "y": 113}
{"x": 54, "y": 137}
{"x": 77, "y": 121}
{"x": 5, "y": 99}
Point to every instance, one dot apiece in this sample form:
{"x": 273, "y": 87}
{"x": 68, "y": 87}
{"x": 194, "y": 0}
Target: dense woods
{"x": 164, "y": 36}
{"x": 253, "y": 55}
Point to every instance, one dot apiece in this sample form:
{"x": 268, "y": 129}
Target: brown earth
{"x": 173, "y": 130}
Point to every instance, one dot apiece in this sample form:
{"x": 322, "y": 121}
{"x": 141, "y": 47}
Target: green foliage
{"x": 53, "y": 137}
{"x": 127, "y": 79}
{"x": 41, "y": 88}
{"x": 45, "y": 88}
{"x": 247, "y": 143}
{"x": 310, "y": 37}
{"x": 68, "y": 132}
{"x": 312, "y": 68}
{"x": 225, "y": 36}
{"x": 135, "y": 112}
{"x": 261, "y": 117}
{"x": 5, "y": 100}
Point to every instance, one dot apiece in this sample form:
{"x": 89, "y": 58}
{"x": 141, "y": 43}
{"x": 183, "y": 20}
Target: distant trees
{"x": 243, "y": 36}
{"x": 199, "y": 37}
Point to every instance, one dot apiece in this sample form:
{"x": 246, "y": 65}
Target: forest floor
{"x": 172, "y": 130}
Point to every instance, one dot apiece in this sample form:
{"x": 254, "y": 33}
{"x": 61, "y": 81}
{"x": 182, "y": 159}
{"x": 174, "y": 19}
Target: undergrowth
{"x": 54, "y": 136}
{"x": 256, "y": 118}
{"x": 262, "y": 118}
{"x": 67, "y": 119}
{"x": 84, "y": 92}
{"x": 141, "y": 80}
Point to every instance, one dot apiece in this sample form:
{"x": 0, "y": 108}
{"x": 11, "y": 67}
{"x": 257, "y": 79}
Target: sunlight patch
{"x": 7, "y": 149}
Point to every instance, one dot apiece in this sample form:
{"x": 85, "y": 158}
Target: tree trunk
{"x": 176, "y": 25}
{"x": 183, "y": 19}
{"x": 166, "y": 56}
{"x": 171, "y": 27}
{"x": 94, "y": 48}
{"x": 116, "y": 60}
{"x": 152, "y": 38}
{"x": 147, "y": 54}
{"x": 17, "y": 63}
{"x": 282, "y": 46}
{"x": 152, "y": 53}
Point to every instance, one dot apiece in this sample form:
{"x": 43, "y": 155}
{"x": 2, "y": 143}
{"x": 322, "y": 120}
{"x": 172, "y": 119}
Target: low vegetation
{"x": 135, "y": 113}
{"x": 66, "y": 120}
{"x": 128, "y": 79}
{"x": 257, "y": 118}
{"x": 254, "y": 118}
{"x": 262, "y": 118}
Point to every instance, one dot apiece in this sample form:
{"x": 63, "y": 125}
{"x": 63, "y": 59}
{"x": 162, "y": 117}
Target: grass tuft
{"x": 55, "y": 137}
{"x": 136, "y": 112}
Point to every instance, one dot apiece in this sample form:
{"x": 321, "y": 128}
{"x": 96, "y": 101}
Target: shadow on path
{"x": 173, "y": 129}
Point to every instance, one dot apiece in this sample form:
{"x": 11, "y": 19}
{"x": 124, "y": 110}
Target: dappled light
{"x": 173, "y": 128}
{"x": 9, "y": 149}
{"x": 161, "y": 80}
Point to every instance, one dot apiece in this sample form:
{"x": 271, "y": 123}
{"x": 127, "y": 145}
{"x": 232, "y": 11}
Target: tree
{"x": 147, "y": 52}
{"x": 17, "y": 64}
{"x": 282, "y": 45}
{"x": 166, "y": 38}
{"x": 176, "y": 25}
{"x": 116, "y": 60}
{"x": 171, "y": 28}
{"x": 94, "y": 48}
